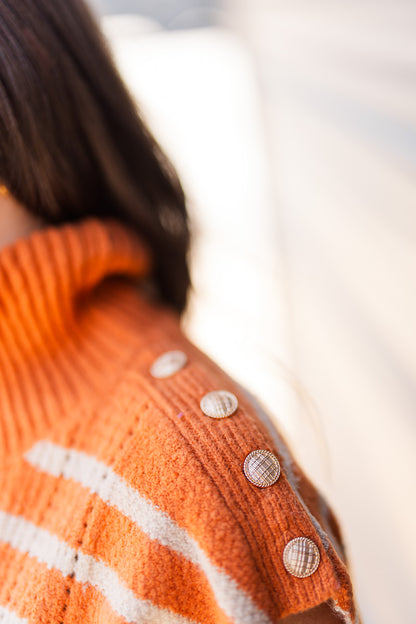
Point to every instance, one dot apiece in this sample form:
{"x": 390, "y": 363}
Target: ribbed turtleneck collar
{"x": 48, "y": 298}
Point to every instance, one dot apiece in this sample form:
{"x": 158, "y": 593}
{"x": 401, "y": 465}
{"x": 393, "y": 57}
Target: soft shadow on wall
{"x": 174, "y": 15}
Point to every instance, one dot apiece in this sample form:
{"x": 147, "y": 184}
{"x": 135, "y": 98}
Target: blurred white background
{"x": 293, "y": 127}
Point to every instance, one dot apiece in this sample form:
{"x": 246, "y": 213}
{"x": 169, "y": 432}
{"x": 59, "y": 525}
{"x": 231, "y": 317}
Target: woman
{"x": 139, "y": 483}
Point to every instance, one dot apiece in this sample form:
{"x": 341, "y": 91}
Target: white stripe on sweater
{"x": 47, "y": 548}
{"x": 112, "y": 489}
{"x": 7, "y": 617}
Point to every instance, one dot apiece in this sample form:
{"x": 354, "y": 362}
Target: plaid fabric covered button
{"x": 262, "y": 468}
{"x": 168, "y": 364}
{"x": 301, "y": 557}
{"x": 219, "y": 404}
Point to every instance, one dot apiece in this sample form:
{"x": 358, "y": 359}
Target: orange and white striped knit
{"x": 121, "y": 498}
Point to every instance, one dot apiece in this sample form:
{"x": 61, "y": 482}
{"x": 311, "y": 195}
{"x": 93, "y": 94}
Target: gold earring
{"x": 4, "y": 190}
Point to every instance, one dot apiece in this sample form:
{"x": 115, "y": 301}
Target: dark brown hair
{"x": 72, "y": 143}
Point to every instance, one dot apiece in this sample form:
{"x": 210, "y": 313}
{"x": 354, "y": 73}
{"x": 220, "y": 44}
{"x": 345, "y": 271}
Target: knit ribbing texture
{"x": 120, "y": 500}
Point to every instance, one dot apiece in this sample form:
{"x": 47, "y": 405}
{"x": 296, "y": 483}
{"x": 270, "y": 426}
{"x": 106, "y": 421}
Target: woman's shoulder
{"x": 196, "y": 499}
{"x": 220, "y": 488}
